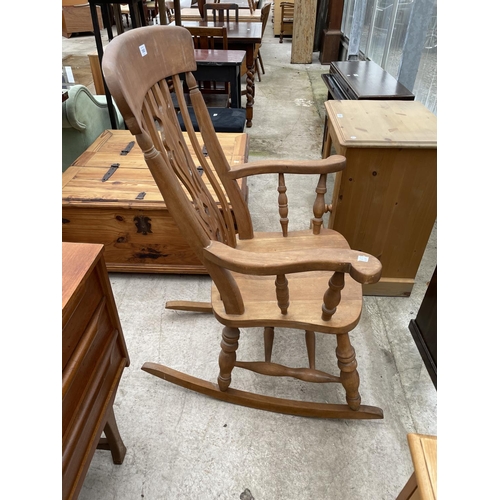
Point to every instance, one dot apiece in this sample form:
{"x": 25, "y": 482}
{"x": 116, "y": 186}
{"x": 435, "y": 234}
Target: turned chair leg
{"x": 227, "y": 356}
{"x": 348, "y": 374}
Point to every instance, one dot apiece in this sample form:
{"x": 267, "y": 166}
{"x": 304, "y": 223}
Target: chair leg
{"x": 259, "y": 57}
{"x": 268, "y": 343}
{"x": 348, "y": 373}
{"x": 227, "y": 356}
{"x": 311, "y": 348}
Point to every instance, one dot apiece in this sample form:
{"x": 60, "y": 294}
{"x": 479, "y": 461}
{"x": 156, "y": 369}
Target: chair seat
{"x": 306, "y": 289}
{"x": 224, "y": 119}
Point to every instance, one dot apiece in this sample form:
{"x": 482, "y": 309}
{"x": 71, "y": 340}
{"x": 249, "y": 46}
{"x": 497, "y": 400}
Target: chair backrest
{"x": 264, "y": 15}
{"x": 142, "y": 68}
{"x": 251, "y": 6}
{"x": 287, "y": 12}
{"x": 205, "y": 37}
{"x": 221, "y": 11}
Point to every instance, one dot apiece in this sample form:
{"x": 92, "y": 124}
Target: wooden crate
{"x": 127, "y": 213}
{"x": 76, "y": 17}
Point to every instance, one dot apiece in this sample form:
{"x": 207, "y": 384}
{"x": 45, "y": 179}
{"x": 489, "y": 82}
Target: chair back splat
{"x": 222, "y": 12}
{"x": 308, "y": 280}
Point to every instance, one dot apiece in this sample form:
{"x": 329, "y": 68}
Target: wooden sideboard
{"x": 94, "y": 356}
{"x": 385, "y": 201}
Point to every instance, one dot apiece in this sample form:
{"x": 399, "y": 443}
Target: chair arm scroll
{"x": 362, "y": 267}
{"x": 334, "y": 163}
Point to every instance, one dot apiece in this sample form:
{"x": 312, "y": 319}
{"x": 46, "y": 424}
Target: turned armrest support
{"x": 334, "y": 163}
{"x": 362, "y": 267}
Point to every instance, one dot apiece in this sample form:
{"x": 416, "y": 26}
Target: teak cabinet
{"x": 94, "y": 356}
{"x": 385, "y": 201}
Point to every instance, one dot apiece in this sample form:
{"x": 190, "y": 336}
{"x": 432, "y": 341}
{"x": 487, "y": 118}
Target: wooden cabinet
{"x": 126, "y": 213}
{"x": 94, "y": 356}
{"x": 385, "y": 201}
{"x": 76, "y": 17}
{"x": 422, "y": 484}
{"x": 363, "y": 80}
{"x": 424, "y": 329}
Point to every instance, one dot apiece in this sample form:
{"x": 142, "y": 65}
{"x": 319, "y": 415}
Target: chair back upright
{"x": 222, "y": 12}
{"x": 142, "y": 73}
{"x": 264, "y": 15}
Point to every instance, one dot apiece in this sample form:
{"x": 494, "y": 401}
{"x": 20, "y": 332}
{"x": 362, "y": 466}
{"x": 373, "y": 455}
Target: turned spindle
{"x": 331, "y": 299}
{"x": 349, "y": 376}
{"x": 227, "y": 356}
{"x": 283, "y": 204}
{"x": 282, "y": 293}
{"x": 319, "y": 204}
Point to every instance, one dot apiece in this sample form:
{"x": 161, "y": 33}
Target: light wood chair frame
{"x": 287, "y": 14}
{"x": 303, "y": 280}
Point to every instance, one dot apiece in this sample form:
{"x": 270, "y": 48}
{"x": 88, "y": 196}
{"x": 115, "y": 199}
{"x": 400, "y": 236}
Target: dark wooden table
{"x": 221, "y": 66}
{"x": 241, "y": 36}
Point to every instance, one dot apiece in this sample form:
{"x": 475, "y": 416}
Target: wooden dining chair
{"x": 207, "y": 37}
{"x": 222, "y": 12}
{"x": 306, "y": 280}
{"x": 287, "y": 11}
{"x": 259, "y": 64}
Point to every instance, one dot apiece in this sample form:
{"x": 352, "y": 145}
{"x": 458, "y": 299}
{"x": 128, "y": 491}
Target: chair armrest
{"x": 334, "y": 163}
{"x": 362, "y": 267}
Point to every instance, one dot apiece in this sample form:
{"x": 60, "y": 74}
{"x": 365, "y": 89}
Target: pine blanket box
{"x": 126, "y": 213}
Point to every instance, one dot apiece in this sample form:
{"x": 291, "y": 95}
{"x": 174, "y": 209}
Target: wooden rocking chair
{"x": 308, "y": 280}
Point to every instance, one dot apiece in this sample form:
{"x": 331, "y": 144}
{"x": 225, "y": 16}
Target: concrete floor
{"x": 182, "y": 445}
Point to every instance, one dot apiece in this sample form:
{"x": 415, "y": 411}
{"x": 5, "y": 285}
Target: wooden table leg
{"x": 250, "y": 87}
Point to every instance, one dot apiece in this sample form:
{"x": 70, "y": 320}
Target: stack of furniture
{"x": 286, "y": 18}
{"x": 288, "y": 29}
